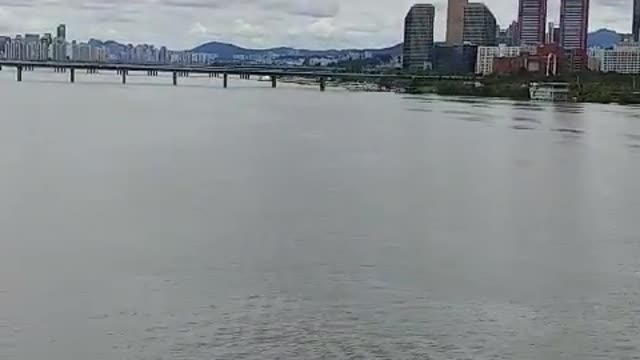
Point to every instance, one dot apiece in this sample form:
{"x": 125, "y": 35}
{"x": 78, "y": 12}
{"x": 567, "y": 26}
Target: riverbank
{"x": 583, "y": 87}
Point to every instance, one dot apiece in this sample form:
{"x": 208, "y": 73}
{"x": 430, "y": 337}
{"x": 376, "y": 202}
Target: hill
{"x": 228, "y": 51}
{"x": 603, "y": 38}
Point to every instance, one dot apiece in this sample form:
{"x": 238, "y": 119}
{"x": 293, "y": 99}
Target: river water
{"x": 149, "y": 221}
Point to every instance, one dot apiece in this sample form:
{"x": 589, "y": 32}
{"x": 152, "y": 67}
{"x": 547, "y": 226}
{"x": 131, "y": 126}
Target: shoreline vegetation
{"x": 583, "y": 87}
{"x": 588, "y": 87}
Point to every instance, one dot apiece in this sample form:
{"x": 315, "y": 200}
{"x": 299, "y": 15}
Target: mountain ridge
{"x": 604, "y": 38}
{"x": 228, "y": 50}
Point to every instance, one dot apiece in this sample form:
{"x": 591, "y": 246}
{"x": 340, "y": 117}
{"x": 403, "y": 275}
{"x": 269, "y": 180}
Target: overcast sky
{"x": 256, "y": 23}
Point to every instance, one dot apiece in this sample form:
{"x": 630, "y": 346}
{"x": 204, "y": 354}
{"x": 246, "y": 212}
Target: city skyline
{"x": 301, "y": 24}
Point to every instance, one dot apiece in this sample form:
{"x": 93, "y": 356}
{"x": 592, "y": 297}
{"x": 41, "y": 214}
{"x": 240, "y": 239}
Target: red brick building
{"x": 547, "y": 59}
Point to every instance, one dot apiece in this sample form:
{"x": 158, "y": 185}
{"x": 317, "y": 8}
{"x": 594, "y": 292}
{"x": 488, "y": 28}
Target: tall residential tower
{"x": 574, "y": 21}
{"x": 636, "y": 20}
{"x": 532, "y": 19}
{"x": 480, "y": 26}
{"x": 418, "y": 37}
{"x": 455, "y": 21}
{"x": 62, "y": 32}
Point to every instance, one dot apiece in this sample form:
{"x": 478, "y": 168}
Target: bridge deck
{"x": 223, "y": 69}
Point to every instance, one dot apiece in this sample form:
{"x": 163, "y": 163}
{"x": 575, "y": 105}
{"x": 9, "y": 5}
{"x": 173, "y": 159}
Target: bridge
{"x": 245, "y": 72}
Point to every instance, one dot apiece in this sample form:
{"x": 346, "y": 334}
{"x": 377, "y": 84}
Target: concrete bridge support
{"x": 19, "y": 75}
{"x": 175, "y": 78}
{"x": 323, "y": 83}
{"x": 225, "y": 80}
{"x": 274, "y": 81}
{"x": 124, "y": 76}
{"x": 72, "y": 75}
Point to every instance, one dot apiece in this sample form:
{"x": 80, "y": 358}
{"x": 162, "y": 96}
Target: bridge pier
{"x": 225, "y": 80}
{"x": 72, "y": 75}
{"x": 175, "y": 78}
{"x": 19, "y": 75}
{"x": 323, "y": 83}
{"x": 274, "y": 81}
{"x": 124, "y": 77}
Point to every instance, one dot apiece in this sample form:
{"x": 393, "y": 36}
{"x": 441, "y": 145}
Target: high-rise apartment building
{"x": 62, "y": 32}
{"x": 455, "y": 21}
{"x": 47, "y": 38}
{"x": 553, "y": 34}
{"x": 532, "y": 18}
{"x": 574, "y": 21}
{"x": 418, "y": 37}
{"x": 636, "y": 20}
{"x": 480, "y": 26}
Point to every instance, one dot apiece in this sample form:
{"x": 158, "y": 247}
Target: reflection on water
{"x": 528, "y": 106}
{"x": 569, "y": 108}
{"x": 415, "y": 109}
{"x": 570, "y": 131}
{"x": 193, "y": 222}
{"x": 522, "y": 127}
{"x": 525, "y": 119}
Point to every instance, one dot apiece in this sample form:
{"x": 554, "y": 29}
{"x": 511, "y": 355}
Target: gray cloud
{"x": 303, "y": 23}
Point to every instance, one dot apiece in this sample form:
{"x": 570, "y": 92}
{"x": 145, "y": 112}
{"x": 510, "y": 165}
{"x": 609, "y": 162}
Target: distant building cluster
{"x": 475, "y": 42}
{"x": 46, "y": 47}
{"x": 622, "y": 59}
{"x": 35, "y": 47}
